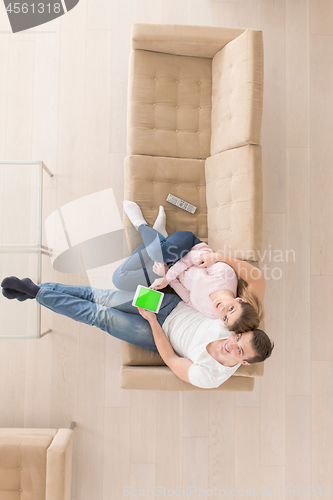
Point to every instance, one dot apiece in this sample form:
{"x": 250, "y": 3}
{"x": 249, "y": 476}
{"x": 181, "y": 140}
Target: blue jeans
{"x": 108, "y": 310}
{"x": 137, "y": 269}
{"x": 112, "y": 310}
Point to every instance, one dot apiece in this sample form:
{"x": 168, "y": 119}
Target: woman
{"x": 205, "y": 280}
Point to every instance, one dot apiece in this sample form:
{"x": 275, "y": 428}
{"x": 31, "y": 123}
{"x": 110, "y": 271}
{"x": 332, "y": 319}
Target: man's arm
{"x": 180, "y": 366}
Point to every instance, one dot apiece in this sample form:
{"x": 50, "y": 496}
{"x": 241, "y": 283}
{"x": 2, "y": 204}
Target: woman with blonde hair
{"x": 205, "y": 280}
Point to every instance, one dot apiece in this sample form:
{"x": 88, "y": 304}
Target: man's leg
{"x": 132, "y": 328}
{"x": 83, "y": 303}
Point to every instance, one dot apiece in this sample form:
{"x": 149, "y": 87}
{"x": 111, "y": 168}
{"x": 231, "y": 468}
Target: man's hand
{"x": 207, "y": 259}
{"x": 160, "y": 269}
{"x": 148, "y": 315}
{"x": 159, "y": 283}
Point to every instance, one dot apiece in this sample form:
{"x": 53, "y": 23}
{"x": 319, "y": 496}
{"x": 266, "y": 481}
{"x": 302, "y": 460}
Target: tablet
{"x": 148, "y": 299}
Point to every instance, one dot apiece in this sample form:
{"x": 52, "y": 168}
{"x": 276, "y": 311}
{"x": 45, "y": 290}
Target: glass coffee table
{"x": 21, "y": 249}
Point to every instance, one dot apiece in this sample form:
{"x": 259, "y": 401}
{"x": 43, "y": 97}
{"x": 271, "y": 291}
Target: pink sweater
{"x": 194, "y": 284}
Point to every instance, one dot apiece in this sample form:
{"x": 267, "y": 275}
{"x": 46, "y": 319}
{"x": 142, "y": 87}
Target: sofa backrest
{"x": 237, "y": 93}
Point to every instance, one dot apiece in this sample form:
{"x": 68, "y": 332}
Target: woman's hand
{"x": 207, "y": 259}
{"x": 159, "y": 283}
{"x": 160, "y": 269}
{"x": 148, "y": 315}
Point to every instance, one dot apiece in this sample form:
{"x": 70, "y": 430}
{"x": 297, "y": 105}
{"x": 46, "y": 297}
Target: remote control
{"x": 181, "y": 203}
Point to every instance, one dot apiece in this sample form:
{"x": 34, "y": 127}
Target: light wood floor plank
{"x": 37, "y": 382}
{"x": 91, "y": 376}
{"x": 274, "y": 17}
{"x": 321, "y": 17}
{"x": 224, "y": 14}
{"x": 321, "y": 423}
{"x": 142, "y": 481}
{"x": 297, "y": 74}
{"x": 321, "y": 109}
{"x": 272, "y": 481}
{"x": 150, "y": 11}
{"x": 97, "y": 110}
{"x": 321, "y": 315}
{"x": 298, "y": 441}
{"x": 4, "y": 50}
{"x": 122, "y": 21}
{"x": 249, "y": 14}
{"x": 297, "y": 272}
{"x": 99, "y": 15}
{"x": 46, "y": 100}
{"x": 116, "y": 465}
{"x": 169, "y": 439}
{"x": 71, "y": 106}
{"x": 200, "y": 12}
{"x": 221, "y": 444}
{"x": 195, "y": 414}
{"x": 247, "y": 448}
{"x": 20, "y": 99}
{"x": 273, "y": 125}
{"x": 195, "y": 466}
{"x": 175, "y": 12}
{"x": 143, "y": 427}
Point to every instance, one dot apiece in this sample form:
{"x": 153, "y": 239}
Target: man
{"x": 199, "y": 350}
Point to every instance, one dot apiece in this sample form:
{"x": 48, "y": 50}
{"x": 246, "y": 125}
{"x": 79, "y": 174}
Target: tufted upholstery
{"x": 149, "y": 180}
{"x": 35, "y": 464}
{"x": 170, "y": 100}
{"x": 234, "y": 202}
{"x": 166, "y": 67}
{"x": 237, "y": 71}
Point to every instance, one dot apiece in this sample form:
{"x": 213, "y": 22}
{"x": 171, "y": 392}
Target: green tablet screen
{"x": 148, "y": 299}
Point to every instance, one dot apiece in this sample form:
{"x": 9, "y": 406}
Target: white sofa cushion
{"x": 169, "y": 111}
{"x": 234, "y": 202}
{"x": 237, "y": 93}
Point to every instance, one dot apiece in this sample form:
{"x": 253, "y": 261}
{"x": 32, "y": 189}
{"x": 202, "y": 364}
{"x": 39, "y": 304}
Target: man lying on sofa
{"x": 198, "y": 350}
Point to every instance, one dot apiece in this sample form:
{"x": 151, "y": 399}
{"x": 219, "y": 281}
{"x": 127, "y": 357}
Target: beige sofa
{"x": 194, "y": 120}
{"x": 36, "y": 464}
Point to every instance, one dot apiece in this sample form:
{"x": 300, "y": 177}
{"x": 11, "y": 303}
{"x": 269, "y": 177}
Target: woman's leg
{"x": 136, "y": 270}
{"x": 170, "y": 249}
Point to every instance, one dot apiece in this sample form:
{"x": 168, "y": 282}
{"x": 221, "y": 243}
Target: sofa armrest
{"x": 184, "y": 40}
{"x": 59, "y": 466}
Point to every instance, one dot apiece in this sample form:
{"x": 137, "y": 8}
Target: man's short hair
{"x": 262, "y": 346}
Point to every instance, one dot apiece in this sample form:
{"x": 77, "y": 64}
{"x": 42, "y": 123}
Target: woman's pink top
{"x": 194, "y": 284}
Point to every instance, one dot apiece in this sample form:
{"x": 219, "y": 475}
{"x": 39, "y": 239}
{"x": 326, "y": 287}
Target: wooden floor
{"x": 63, "y": 94}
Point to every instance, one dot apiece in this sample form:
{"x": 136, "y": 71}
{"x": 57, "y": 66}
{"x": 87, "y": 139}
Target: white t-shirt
{"x": 189, "y": 333}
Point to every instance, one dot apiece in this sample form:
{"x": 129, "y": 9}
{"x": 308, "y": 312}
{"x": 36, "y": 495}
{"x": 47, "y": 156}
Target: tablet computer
{"x": 148, "y": 299}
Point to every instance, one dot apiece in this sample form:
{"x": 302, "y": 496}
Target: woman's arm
{"x": 180, "y": 366}
{"x": 249, "y": 273}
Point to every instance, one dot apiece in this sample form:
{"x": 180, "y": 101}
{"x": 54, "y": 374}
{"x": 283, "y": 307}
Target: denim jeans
{"x": 137, "y": 269}
{"x": 112, "y": 310}
{"x": 108, "y": 310}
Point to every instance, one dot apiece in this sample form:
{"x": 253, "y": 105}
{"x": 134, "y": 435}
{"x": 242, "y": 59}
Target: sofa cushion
{"x": 149, "y": 180}
{"x": 237, "y": 93}
{"x": 169, "y": 111}
{"x": 234, "y": 202}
